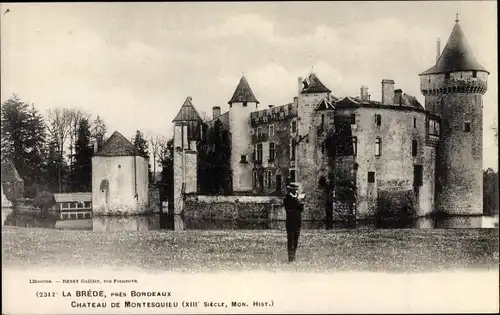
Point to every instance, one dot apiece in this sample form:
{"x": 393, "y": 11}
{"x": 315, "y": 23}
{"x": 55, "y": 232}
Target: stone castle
{"x": 393, "y": 150}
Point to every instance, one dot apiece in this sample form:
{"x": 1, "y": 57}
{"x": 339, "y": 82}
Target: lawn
{"x": 202, "y": 250}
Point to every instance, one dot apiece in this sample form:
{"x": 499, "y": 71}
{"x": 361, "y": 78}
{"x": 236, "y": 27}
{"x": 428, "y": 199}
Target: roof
{"x": 243, "y": 93}
{"x": 457, "y": 55}
{"x": 9, "y": 172}
{"x": 312, "y": 84}
{"x": 324, "y": 104}
{"x": 407, "y": 100}
{"x": 76, "y": 196}
{"x": 224, "y": 119}
{"x": 117, "y": 145}
{"x": 187, "y": 112}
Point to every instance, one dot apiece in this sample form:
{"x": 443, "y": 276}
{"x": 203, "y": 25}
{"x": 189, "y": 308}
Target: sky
{"x": 134, "y": 64}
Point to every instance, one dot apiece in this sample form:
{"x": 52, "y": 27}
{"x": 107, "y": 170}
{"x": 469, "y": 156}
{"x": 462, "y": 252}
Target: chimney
{"x": 398, "y": 96}
{"x": 215, "y": 111}
{"x": 387, "y": 92}
{"x": 271, "y": 106}
{"x": 95, "y": 146}
{"x": 438, "y": 47}
{"x": 299, "y": 81}
{"x": 363, "y": 94}
{"x": 296, "y": 101}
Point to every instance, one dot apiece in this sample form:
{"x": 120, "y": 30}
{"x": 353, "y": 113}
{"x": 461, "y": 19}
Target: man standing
{"x": 293, "y": 209}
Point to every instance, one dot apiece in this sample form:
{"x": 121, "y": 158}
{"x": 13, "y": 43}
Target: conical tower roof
{"x": 313, "y": 85}
{"x": 117, "y": 145}
{"x": 243, "y": 93}
{"x": 457, "y": 55}
{"x": 187, "y": 112}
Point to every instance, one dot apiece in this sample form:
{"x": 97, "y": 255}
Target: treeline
{"x": 54, "y": 153}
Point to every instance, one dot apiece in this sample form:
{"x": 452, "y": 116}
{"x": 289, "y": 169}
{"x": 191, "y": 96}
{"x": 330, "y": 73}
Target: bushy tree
{"x": 81, "y": 174}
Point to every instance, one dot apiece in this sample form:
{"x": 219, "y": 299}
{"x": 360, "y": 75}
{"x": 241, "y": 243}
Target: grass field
{"x": 196, "y": 250}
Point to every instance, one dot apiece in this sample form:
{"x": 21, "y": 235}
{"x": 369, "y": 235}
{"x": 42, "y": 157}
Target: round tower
{"x": 454, "y": 90}
{"x": 241, "y": 105}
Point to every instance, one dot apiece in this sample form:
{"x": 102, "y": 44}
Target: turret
{"x": 187, "y": 132}
{"x": 241, "y": 105}
{"x": 453, "y": 89}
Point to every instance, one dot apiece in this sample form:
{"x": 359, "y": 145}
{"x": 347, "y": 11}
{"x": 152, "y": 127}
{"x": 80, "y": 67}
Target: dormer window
{"x": 474, "y": 74}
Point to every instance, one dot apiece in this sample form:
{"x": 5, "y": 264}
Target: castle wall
{"x": 281, "y": 139}
{"x": 233, "y": 208}
{"x": 394, "y": 168}
{"x": 241, "y": 144}
{"x": 459, "y": 168}
{"x": 307, "y": 156}
{"x": 114, "y": 185}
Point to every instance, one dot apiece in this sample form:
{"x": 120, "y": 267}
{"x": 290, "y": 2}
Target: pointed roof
{"x": 9, "y": 172}
{"x": 457, "y": 55}
{"x": 187, "y": 112}
{"x": 243, "y": 93}
{"x": 117, "y": 145}
{"x": 312, "y": 84}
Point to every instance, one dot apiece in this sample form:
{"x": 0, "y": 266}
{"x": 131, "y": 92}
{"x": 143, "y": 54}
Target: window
{"x": 447, "y": 75}
{"x": 293, "y": 147}
{"x": 259, "y": 130}
{"x": 255, "y": 178}
{"x": 259, "y": 152}
{"x": 65, "y": 205}
{"x": 354, "y": 146}
{"x": 65, "y": 216}
{"x": 294, "y": 126}
{"x": 292, "y": 176}
{"x": 378, "y": 119}
{"x": 271, "y": 130}
{"x": 414, "y": 122}
{"x": 87, "y": 215}
{"x": 243, "y": 158}
{"x": 322, "y": 120}
{"x": 417, "y": 175}
{"x": 271, "y": 151}
{"x": 474, "y": 74}
{"x": 244, "y": 104}
{"x": 80, "y": 215}
{"x": 87, "y": 204}
{"x": 378, "y": 146}
{"x": 433, "y": 127}
{"x": 323, "y": 148}
{"x": 467, "y": 126}
{"x": 353, "y": 119}
{"x": 371, "y": 177}
{"x": 72, "y": 205}
{"x": 269, "y": 179}
{"x": 72, "y": 216}
{"x": 278, "y": 182}
{"x": 414, "y": 148}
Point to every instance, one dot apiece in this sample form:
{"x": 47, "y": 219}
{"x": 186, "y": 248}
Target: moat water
{"x": 37, "y": 219}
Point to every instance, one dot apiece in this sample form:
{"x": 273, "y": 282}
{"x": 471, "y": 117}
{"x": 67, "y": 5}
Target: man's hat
{"x": 293, "y": 186}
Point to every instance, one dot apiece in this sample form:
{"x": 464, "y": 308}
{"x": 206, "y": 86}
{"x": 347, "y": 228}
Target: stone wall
{"x": 233, "y": 208}
{"x": 115, "y": 182}
{"x": 394, "y": 168}
{"x": 154, "y": 199}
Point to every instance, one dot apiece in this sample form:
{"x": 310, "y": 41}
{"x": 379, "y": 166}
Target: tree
{"x": 81, "y": 174}
{"x": 141, "y": 148}
{"x": 157, "y": 144}
{"x": 214, "y": 154}
{"x": 167, "y": 173}
{"x": 59, "y": 130}
{"x": 98, "y": 132}
{"x": 75, "y": 116}
{"x": 23, "y": 140}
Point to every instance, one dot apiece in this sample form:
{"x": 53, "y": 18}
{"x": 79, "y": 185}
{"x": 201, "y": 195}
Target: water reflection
{"x": 12, "y": 217}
